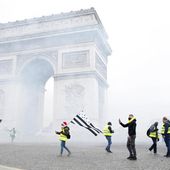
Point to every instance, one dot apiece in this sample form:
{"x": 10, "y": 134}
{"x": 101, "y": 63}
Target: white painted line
{"x": 8, "y": 168}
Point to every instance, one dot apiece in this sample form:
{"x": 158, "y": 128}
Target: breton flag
{"x": 81, "y": 120}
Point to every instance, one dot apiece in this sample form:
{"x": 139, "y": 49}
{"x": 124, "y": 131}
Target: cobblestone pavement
{"x": 84, "y": 157}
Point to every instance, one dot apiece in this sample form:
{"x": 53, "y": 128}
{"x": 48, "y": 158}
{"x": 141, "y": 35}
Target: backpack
{"x": 68, "y": 136}
{"x": 67, "y": 132}
{"x": 151, "y": 129}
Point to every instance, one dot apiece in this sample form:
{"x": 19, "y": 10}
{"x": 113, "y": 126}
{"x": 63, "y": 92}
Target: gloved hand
{"x": 58, "y": 133}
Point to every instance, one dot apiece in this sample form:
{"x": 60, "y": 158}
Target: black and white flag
{"x": 81, "y": 120}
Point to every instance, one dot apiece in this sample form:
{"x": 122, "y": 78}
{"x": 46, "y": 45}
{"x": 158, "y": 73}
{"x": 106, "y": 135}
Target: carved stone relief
{"x": 39, "y": 27}
{"x": 22, "y": 59}
{"x": 75, "y": 59}
{"x": 74, "y": 97}
{"x": 6, "y": 67}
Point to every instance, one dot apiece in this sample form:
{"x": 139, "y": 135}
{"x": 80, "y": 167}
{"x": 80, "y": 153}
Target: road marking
{"x": 8, "y": 168}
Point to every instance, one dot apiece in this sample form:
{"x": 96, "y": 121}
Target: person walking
{"x": 12, "y": 134}
{"x": 64, "y": 135}
{"x": 165, "y": 131}
{"x": 107, "y": 132}
{"x": 131, "y": 136}
{"x": 152, "y": 132}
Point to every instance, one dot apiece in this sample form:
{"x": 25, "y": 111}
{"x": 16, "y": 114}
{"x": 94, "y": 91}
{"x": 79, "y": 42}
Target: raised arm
{"x": 122, "y": 124}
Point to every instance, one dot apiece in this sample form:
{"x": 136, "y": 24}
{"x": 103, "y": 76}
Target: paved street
{"x": 84, "y": 157}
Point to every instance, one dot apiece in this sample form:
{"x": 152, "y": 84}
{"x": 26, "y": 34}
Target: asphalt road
{"x": 83, "y": 157}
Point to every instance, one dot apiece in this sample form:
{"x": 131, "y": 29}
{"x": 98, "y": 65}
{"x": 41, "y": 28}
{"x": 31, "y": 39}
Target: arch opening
{"x": 32, "y": 81}
{"x": 48, "y": 103}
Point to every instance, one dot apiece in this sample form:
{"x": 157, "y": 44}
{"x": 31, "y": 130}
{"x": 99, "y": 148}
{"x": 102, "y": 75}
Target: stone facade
{"x": 71, "y": 47}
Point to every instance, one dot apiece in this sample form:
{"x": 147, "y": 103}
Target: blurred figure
{"x": 107, "y": 132}
{"x": 152, "y": 132}
{"x": 132, "y": 136}
{"x": 12, "y": 134}
{"x": 64, "y": 136}
{"x": 165, "y": 131}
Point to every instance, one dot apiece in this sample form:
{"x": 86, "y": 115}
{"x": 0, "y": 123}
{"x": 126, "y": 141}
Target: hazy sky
{"x": 139, "y": 35}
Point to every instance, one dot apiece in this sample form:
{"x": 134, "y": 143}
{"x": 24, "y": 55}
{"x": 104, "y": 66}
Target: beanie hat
{"x": 64, "y": 124}
{"x": 109, "y": 123}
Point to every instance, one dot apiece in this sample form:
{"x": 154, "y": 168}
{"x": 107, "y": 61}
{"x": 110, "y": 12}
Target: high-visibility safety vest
{"x": 154, "y": 134}
{"x": 106, "y": 131}
{"x": 62, "y": 136}
{"x": 163, "y": 129}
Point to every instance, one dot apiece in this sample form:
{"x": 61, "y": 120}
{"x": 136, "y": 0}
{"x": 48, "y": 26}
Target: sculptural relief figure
{"x": 74, "y": 97}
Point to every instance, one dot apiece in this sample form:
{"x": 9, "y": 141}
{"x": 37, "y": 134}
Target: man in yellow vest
{"x": 107, "y": 132}
{"x": 132, "y": 136}
{"x": 64, "y": 136}
{"x": 165, "y": 131}
{"x": 153, "y": 134}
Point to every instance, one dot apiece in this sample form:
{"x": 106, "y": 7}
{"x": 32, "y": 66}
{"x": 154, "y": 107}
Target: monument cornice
{"x": 86, "y": 74}
{"x": 58, "y": 22}
{"x": 78, "y": 36}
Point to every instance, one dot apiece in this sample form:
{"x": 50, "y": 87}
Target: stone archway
{"x": 74, "y": 50}
{"x": 32, "y": 78}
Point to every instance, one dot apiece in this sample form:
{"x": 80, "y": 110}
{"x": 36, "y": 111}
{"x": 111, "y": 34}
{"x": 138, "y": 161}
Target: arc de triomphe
{"x": 71, "y": 47}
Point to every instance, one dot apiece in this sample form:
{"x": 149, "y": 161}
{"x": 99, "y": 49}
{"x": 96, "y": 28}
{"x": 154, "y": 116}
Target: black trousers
{"x": 154, "y": 145}
{"x": 131, "y": 145}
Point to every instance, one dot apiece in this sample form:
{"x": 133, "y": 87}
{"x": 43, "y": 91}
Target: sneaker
{"x": 129, "y": 157}
{"x": 106, "y": 149}
{"x": 109, "y": 151}
{"x": 134, "y": 158}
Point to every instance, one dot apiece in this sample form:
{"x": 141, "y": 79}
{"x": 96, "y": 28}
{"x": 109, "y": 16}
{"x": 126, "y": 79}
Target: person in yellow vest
{"x": 64, "y": 135}
{"x": 153, "y": 134}
{"x": 107, "y": 132}
{"x": 165, "y": 131}
{"x": 132, "y": 136}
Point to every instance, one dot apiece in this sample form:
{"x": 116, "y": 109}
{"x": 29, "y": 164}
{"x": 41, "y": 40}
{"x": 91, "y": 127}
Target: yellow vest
{"x": 153, "y": 135}
{"x": 62, "y": 137}
{"x": 163, "y": 129}
{"x": 106, "y": 131}
{"x": 168, "y": 130}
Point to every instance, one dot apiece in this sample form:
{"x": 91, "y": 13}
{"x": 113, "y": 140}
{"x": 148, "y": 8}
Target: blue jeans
{"x": 63, "y": 146}
{"x": 167, "y": 142}
{"x": 109, "y": 140}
